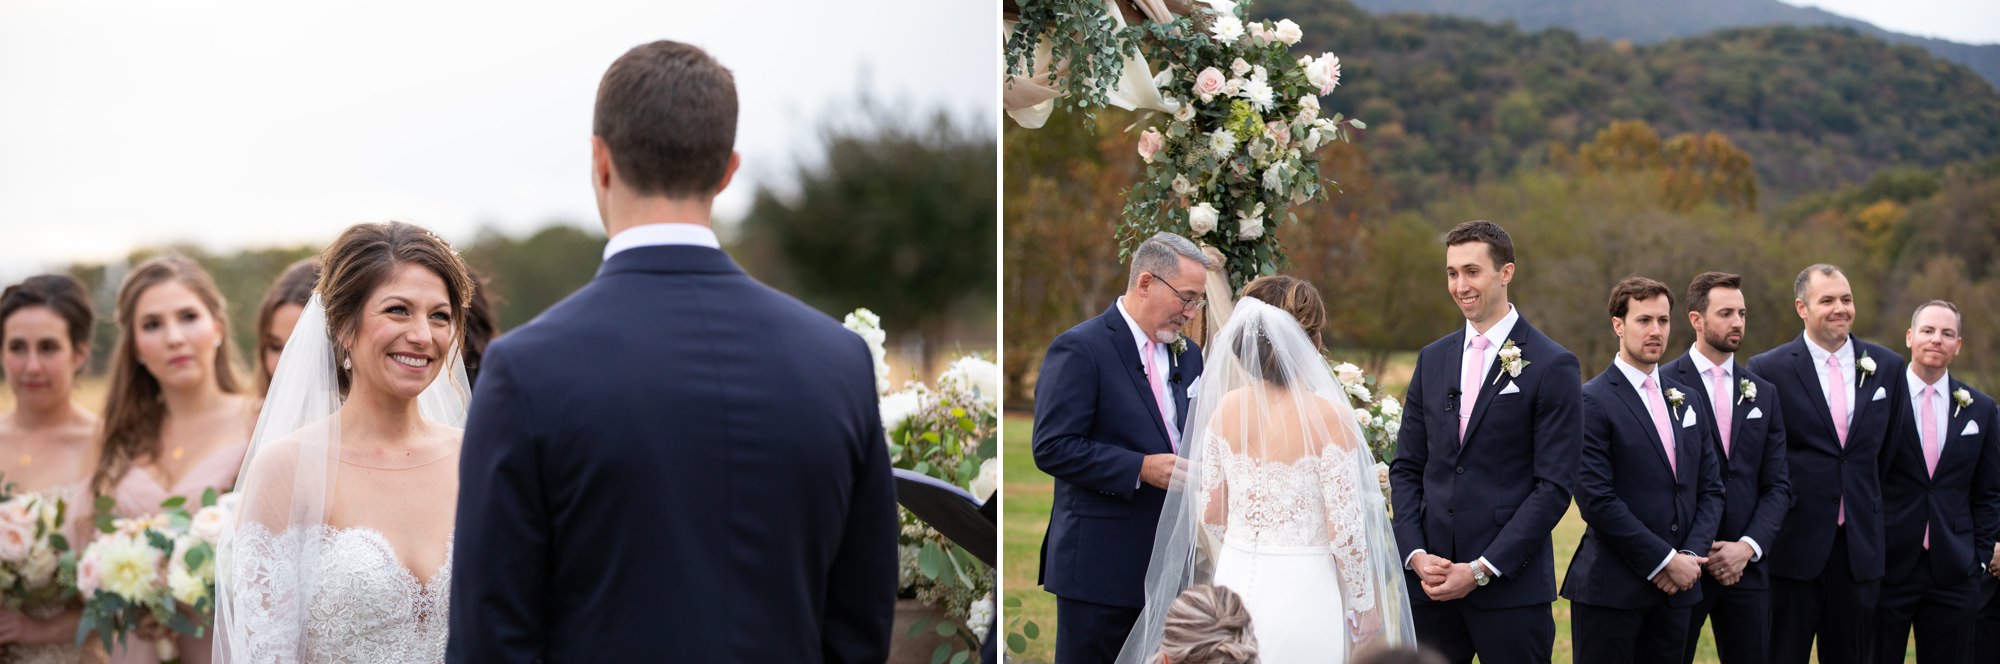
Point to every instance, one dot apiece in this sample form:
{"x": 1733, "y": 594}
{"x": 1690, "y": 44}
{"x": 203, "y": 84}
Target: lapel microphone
{"x": 1451, "y": 400}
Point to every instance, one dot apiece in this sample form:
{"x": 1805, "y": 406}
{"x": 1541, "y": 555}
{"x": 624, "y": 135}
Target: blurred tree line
{"x": 897, "y": 217}
{"x": 1756, "y": 151}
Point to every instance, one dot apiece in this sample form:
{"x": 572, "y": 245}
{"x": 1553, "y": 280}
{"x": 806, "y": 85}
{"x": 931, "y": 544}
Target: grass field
{"x": 1026, "y": 515}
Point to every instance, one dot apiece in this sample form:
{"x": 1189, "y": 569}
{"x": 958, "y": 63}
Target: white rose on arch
{"x": 1202, "y": 219}
{"x": 1250, "y": 224}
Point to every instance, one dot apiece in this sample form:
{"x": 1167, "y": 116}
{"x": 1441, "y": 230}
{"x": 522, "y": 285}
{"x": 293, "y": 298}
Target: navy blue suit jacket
{"x": 1500, "y": 493}
{"x": 1095, "y": 421}
{"x": 1823, "y": 473}
{"x": 1638, "y": 507}
{"x": 1756, "y": 491}
{"x": 1961, "y": 503}
{"x": 675, "y": 462}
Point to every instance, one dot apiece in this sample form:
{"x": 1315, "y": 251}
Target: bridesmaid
{"x": 45, "y": 328}
{"x": 176, "y": 422}
{"x": 279, "y": 313}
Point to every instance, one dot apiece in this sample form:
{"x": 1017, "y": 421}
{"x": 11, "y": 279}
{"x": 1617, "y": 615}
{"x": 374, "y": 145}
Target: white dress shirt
{"x": 1701, "y": 366}
{"x": 665, "y": 234}
{"x": 1847, "y": 373}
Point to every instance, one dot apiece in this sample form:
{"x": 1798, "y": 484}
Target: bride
{"x": 342, "y": 547}
{"x": 1279, "y": 502}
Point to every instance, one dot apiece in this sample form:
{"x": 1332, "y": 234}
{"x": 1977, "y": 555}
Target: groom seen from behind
{"x": 675, "y": 463}
{"x": 1484, "y": 463}
{"x": 1109, "y": 407}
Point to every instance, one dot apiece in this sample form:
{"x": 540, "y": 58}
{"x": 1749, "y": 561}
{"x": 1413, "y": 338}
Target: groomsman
{"x": 1649, "y": 487}
{"x": 1483, "y": 466}
{"x": 1842, "y": 396}
{"x": 1941, "y": 499}
{"x": 1748, "y": 428}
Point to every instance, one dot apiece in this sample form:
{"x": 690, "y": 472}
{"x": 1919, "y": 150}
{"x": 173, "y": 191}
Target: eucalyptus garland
{"x": 1082, "y": 35}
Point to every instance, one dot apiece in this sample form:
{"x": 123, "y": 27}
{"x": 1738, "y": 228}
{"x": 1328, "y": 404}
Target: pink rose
{"x": 87, "y": 579}
{"x": 1209, "y": 83}
{"x": 1280, "y": 134}
{"x": 1257, "y": 33}
{"x": 1151, "y": 143}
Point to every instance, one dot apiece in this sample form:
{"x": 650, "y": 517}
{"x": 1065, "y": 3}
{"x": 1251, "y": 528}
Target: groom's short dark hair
{"x": 1498, "y": 244}
{"x": 667, "y": 111}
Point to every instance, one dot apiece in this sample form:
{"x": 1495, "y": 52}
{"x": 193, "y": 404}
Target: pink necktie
{"x": 1836, "y": 399}
{"x": 1927, "y": 426}
{"x": 1154, "y": 379}
{"x": 1719, "y": 395}
{"x": 1475, "y": 357}
{"x": 1658, "y": 404}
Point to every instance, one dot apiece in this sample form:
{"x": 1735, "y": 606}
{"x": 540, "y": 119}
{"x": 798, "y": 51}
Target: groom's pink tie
{"x": 1719, "y": 397}
{"x": 1928, "y": 428}
{"x": 1475, "y": 357}
{"x": 1661, "y": 423}
{"x": 1158, "y": 383}
{"x": 1836, "y": 401}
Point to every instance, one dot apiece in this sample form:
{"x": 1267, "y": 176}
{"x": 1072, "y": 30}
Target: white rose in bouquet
{"x": 975, "y": 375}
{"x": 209, "y": 523}
{"x": 988, "y": 480}
{"x": 1239, "y": 67}
{"x": 1308, "y": 109}
{"x": 1182, "y": 186}
{"x": 40, "y": 568}
{"x": 1274, "y": 177}
{"x": 1287, "y": 32}
{"x": 1202, "y": 219}
{"x": 1391, "y": 407}
{"x": 899, "y": 406}
{"x": 1250, "y": 223}
{"x": 1348, "y": 373}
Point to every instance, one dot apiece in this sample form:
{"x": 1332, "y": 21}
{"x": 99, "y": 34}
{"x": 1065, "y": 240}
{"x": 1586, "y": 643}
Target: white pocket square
{"x": 1688, "y": 419}
{"x": 1880, "y": 394}
{"x": 1511, "y": 388}
{"x": 1755, "y": 414}
{"x": 1194, "y": 386}
{"x": 1970, "y": 429}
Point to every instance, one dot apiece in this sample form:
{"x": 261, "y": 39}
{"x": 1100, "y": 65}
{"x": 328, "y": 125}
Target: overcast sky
{"x": 236, "y": 124}
{"x": 1968, "y": 21}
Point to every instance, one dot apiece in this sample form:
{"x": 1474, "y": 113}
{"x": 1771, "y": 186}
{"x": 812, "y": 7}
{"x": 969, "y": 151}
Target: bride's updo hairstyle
{"x": 1294, "y": 296}
{"x": 1208, "y": 625}
{"x": 363, "y": 257}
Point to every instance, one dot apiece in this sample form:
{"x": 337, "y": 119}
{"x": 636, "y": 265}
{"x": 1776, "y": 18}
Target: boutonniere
{"x": 1178, "y": 346}
{"x": 1746, "y": 389}
{"x": 1675, "y": 398}
{"x": 1866, "y": 363}
{"x": 1962, "y": 398}
{"x": 1510, "y": 361}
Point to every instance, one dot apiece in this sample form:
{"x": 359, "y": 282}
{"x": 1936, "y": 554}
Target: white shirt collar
{"x": 1845, "y": 352}
{"x": 653, "y": 235}
{"x": 1497, "y": 335}
{"x": 1702, "y": 365}
{"x": 1638, "y": 377}
{"x": 1139, "y": 337}
{"x": 1917, "y": 385}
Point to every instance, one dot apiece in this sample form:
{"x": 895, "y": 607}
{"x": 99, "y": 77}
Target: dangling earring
{"x": 347, "y": 363}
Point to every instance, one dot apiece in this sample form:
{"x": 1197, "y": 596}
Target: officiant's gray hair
{"x": 1161, "y": 254}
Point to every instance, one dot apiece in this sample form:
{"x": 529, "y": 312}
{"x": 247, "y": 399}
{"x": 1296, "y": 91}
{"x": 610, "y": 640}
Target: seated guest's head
{"x": 1208, "y": 625}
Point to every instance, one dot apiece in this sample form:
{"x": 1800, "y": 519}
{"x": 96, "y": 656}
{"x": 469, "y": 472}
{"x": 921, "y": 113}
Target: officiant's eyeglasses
{"x": 1188, "y": 300}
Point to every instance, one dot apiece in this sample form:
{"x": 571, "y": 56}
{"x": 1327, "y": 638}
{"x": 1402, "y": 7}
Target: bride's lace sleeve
{"x": 265, "y": 612}
{"x": 1213, "y": 493}
{"x": 1340, "y": 489}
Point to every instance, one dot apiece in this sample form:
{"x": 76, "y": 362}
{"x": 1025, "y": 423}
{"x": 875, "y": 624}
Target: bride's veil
{"x": 1266, "y": 397}
{"x": 267, "y": 560}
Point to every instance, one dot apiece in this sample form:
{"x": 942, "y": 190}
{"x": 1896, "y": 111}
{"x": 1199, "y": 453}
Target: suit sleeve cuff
{"x": 1756, "y": 552}
{"x": 1663, "y": 564}
{"x": 1408, "y": 558}
{"x": 1490, "y": 569}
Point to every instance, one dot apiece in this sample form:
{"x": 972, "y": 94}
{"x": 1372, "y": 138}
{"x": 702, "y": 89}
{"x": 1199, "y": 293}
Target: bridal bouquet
{"x": 1239, "y": 148}
{"x": 32, "y": 549}
{"x": 144, "y": 566}
{"x": 1380, "y": 416}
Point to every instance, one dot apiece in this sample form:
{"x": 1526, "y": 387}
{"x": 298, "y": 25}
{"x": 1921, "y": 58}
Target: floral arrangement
{"x": 32, "y": 551}
{"x": 145, "y": 566}
{"x": 1239, "y": 148}
{"x": 950, "y": 431}
{"x": 1380, "y": 416}
{"x": 1085, "y": 49}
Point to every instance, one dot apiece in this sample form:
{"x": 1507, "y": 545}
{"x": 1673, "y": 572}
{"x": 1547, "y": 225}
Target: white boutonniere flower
{"x": 1962, "y": 398}
{"x": 1510, "y": 361}
{"x": 1746, "y": 389}
{"x": 1675, "y": 399}
{"x": 1866, "y": 363}
{"x": 1178, "y": 346}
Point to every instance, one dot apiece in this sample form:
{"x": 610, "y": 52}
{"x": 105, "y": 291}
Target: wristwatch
{"x": 1479, "y": 577}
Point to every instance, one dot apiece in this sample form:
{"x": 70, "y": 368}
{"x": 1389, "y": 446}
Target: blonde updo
{"x": 1295, "y": 296}
{"x": 1208, "y": 625}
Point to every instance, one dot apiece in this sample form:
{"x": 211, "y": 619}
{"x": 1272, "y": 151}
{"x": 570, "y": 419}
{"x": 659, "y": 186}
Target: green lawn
{"x": 1026, "y": 515}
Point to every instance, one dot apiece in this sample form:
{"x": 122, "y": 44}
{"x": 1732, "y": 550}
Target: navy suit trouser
{"x": 1656, "y": 635}
{"x": 1836, "y": 607}
{"x": 1941, "y": 611}
{"x": 1457, "y": 630}
{"x": 1742, "y": 622}
{"x": 1091, "y": 633}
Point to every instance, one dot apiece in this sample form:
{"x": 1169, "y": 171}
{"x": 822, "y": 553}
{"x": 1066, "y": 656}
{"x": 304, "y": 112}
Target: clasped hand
{"x": 1681, "y": 573}
{"x": 1443, "y": 580}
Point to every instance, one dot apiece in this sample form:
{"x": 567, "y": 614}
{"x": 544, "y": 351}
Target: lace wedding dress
{"x": 364, "y": 605}
{"x": 1295, "y": 562}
